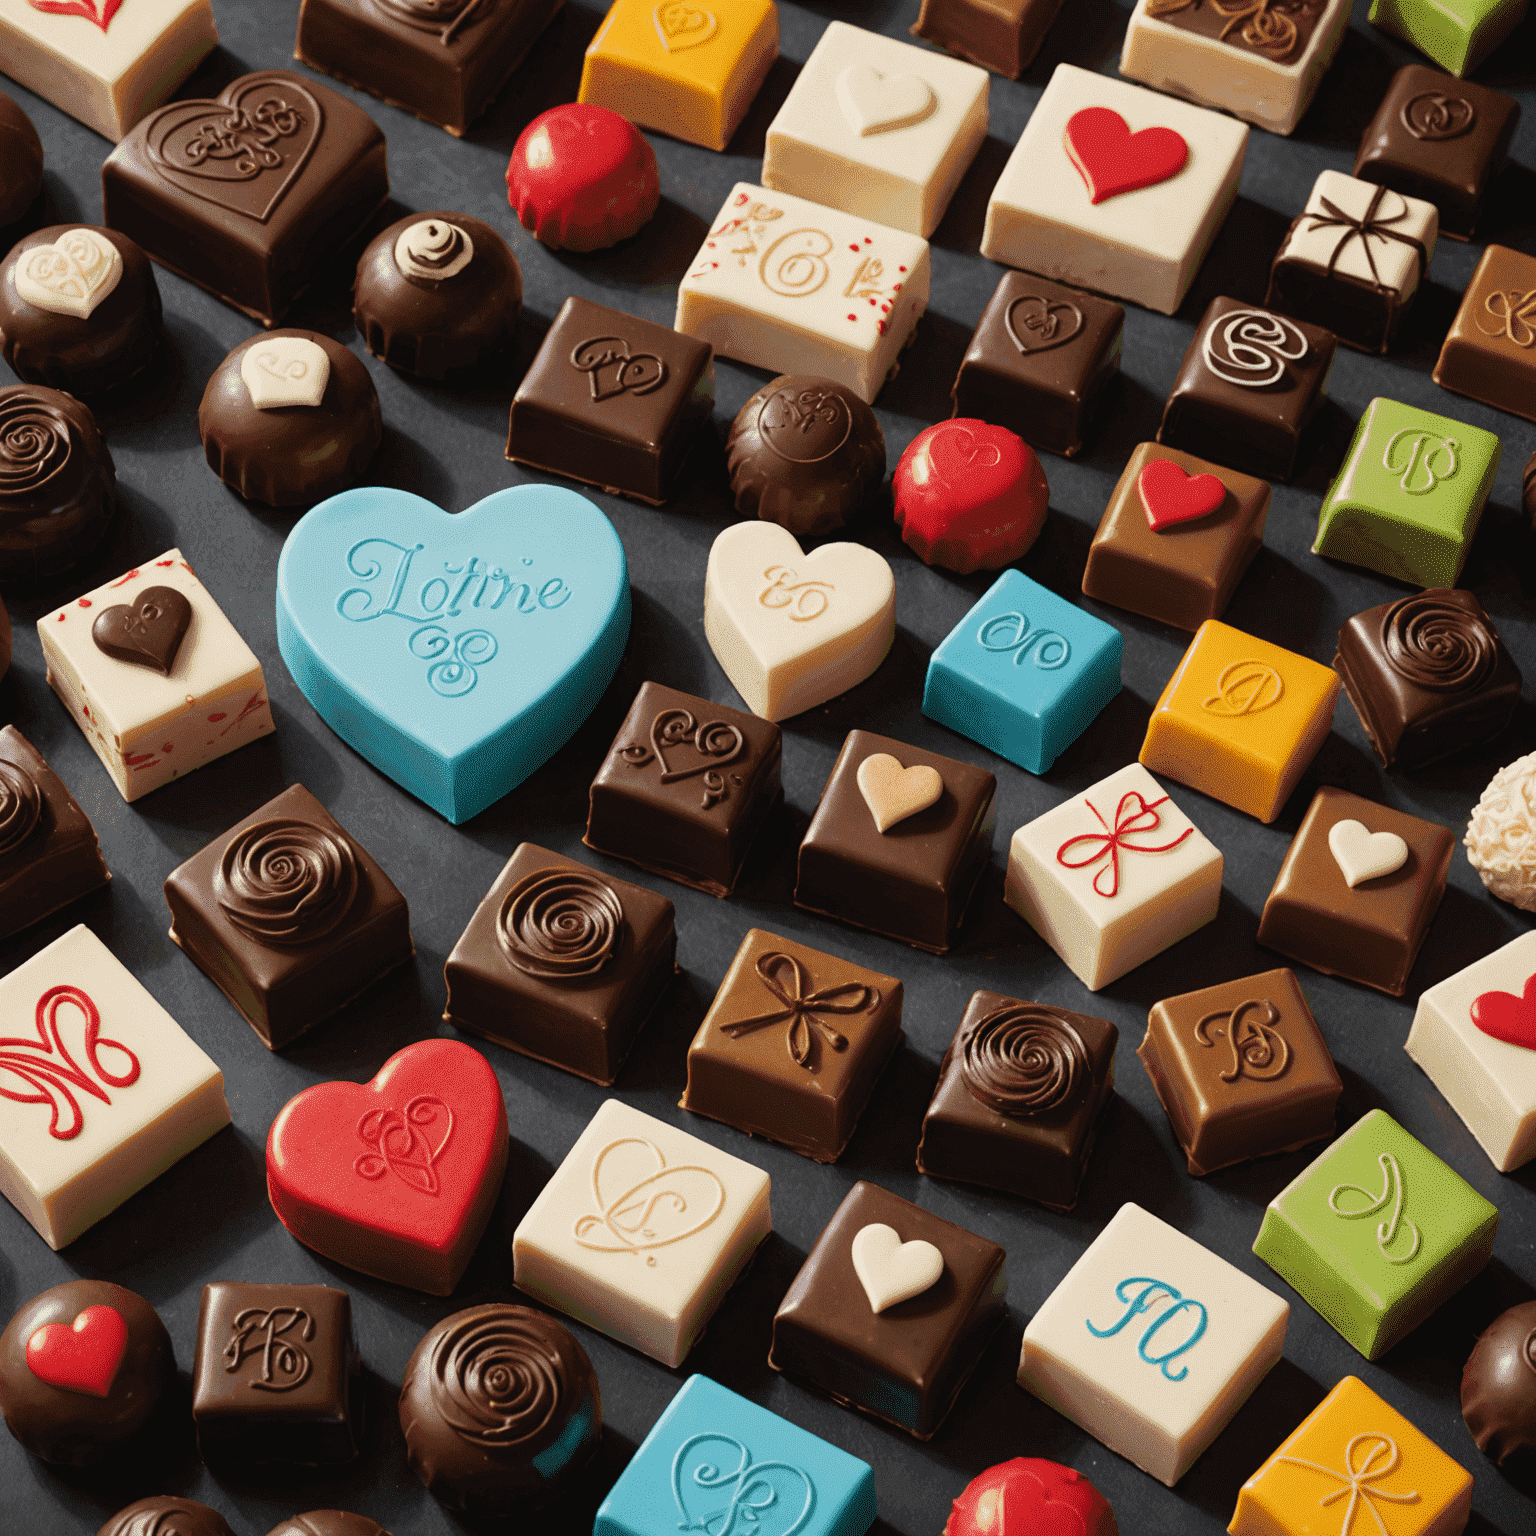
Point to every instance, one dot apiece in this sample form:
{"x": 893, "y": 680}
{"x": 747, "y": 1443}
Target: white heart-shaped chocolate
{"x": 893, "y": 793}
{"x": 875, "y": 103}
{"x": 891, "y": 1270}
{"x": 285, "y": 370}
{"x": 1363, "y": 855}
{"x": 70, "y": 277}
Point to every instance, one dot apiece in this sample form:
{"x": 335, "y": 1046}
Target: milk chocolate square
{"x": 1490, "y": 350}
{"x": 1001, "y": 35}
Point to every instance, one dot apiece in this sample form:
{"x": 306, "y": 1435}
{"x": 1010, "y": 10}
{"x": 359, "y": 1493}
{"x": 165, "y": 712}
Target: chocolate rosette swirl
{"x": 494, "y": 1379}
{"x": 286, "y": 882}
{"x": 21, "y": 807}
{"x": 35, "y": 441}
{"x": 1022, "y": 1060}
{"x": 1437, "y": 645}
{"x": 561, "y": 924}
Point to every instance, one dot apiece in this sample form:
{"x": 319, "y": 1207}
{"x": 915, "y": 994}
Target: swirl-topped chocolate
{"x": 1022, "y": 1060}
{"x": 35, "y": 441}
{"x": 21, "y": 807}
{"x": 432, "y": 250}
{"x": 166, "y": 1516}
{"x": 561, "y": 924}
{"x": 494, "y": 1378}
{"x": 1437, "y": 644}
{"x": 286, "y": 882}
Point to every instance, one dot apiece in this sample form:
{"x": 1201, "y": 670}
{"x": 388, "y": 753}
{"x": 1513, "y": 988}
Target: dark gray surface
{"x": 208, "y": 1217}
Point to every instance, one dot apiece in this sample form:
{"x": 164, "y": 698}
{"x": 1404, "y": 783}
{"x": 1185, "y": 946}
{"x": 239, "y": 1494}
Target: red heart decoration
{"x": 395, "y": 1177}
{"x": 1111, "y": 159}
{"x": 1507, "y": 1017}
{"x": 102, "y": 17}
{"x": 1170, "y": 496}
{"x": 82, "y": 1357}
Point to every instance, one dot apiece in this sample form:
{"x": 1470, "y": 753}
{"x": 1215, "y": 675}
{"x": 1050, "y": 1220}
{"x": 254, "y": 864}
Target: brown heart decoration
{"x": 147, "y": 633}
{"x": 1035, "y": 324}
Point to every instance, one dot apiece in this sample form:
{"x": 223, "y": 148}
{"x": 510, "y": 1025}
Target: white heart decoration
{"x": 893, "y": 793}
{"x": 72, "y": 276}
{"x": 285, "y": 370}
{"x": 891, "y": 1270}
{"x": 1363, "y": 855}
{"x": 875, "y": 103}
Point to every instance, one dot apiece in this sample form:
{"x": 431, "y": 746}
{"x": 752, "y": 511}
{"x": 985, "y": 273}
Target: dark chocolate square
{"x": 562, "y": 963}
{"x": 1490, "y": 350}
{"x": 1040, "y": 360}
{"x": 613, "y": 401}
{"x": 792, "y": 1045}
{"x": 277, "y": 1375}
{"x": 1001, "y": 35}
{"x": 1249, "y": 385}
{"x": 48, "y": 851}
{"x": 1022, "y": 1091}
{"x": 907, "y": 1363}
{"x": 684, "y": 788}
{"x": 288, "y": 950}
{"x": 914, "y": 880}
{"x": 1440, "y": 139}
{"x": 1241, "y": 1070}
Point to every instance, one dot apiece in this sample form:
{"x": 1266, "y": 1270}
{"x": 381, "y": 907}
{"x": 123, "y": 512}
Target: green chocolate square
{"x": 1376, "y": 1233}
{"x": 1409, "y": 497}
{"x": 1457, "y": 34}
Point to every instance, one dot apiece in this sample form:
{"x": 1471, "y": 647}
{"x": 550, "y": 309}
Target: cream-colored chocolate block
{"x": 796, "y": 287}
{"x": 1151, "y": 1343}
{"x": 147, "y": 727}
{"x": 1145, "y": 245}
{"x": 106, "y": 62}
{"x": 878, "y": 128}
{"x": 104, "y": 1089}
{"x": 641, "y": 1231}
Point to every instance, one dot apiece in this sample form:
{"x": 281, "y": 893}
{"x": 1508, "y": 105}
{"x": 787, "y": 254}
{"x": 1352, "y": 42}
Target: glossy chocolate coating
{"x": 806, "y": 453}
{"x": 500, "y": 1410}
{"x": 1490, "y": 351}
{"x": 289, "y": 916}
{"x": 21, "y": 162}
{"x": 77, "y": 1428}
{"x": 328, "y": 1522}
{"x": 164, "y": 1515}
{"x": 1037, "y": 1498}
{"x": 256, "y": 241}
{"x": 58, "y": 486}
{"x": 291, "y": 455}
{"x": 1428, "y": 676}
{"x": 437, "y": 328}
{"x": 1299, "y": 18}
{"x": 1000, "y": 35}
{"x": 1498, "y": 1387}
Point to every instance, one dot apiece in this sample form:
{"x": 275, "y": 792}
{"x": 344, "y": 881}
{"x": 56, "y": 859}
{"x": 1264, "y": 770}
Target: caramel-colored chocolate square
{"x": 1490, "y": 349}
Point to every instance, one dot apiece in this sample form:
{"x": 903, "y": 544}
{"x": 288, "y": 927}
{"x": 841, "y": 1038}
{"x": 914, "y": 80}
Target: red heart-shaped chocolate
{"x": 1111, "y": 159}
{"x": 1170, "y": 496}
{"x": 82, "y": 1357}
{"x": 395, "y": 1177}
{"x": 1507, "y": 1017}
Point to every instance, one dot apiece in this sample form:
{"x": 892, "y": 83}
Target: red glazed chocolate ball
{"x": 1031, "y": 1497}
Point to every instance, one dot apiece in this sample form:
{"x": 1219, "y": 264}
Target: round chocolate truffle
{"x": 1034, "y": 1496}
{"x": 328, "y": 1522}
{"x": 58, "y": 488}
{"x": 166, "y": 1516}
{"x": 289, "y": 418}
{"x": 500, "y": 1409}
{"x": 805, "y": 453}
{"x": 1501, "y": 834}
{"x": 438, "y": 294}
{"x": 79, "y": 308}
{"x": 21, "y": 162}
{"x": 82, "y": 1368}
{"x": 1498, "y": 1387}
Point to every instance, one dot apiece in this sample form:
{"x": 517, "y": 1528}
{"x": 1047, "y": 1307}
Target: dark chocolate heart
{"x": 147, "y": 633}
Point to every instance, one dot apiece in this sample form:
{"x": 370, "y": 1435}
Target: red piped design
{"x": 1507, "y": 1017}
{"x": 46, "y": 1066}
{"x": 1111, "y": 159}
{"x": 1133, "y": 815}
{"x": 1171, "y": 497}
{"x": 101, "y": 14}
{"x": 82, "y": 1356}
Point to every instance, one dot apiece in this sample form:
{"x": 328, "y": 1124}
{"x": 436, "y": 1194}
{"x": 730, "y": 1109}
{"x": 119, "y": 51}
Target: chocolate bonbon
{"x": 1489, "y": 353}
{"x": 21, "y": 163}
{"x": 1457, "y": 35}
{"x": 1501, "y": 834}
{"x": 327, "y": 1522}
{"x": 1056, "y": 1500}
{"x": 164, "y": 1515}
{"x": 1498, "y": 1387}
{"x": 1000, "y": 35}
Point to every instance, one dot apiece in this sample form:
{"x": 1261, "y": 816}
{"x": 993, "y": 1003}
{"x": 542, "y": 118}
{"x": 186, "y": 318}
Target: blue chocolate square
{"x": 721, "y": 1466}
{"x": 1024, "y": 672}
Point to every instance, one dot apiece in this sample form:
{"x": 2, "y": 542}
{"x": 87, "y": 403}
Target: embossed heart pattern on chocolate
{"x": 681, "y": 24}
{"x": 147, "y": 633}
{"x": 876, "y": 103}
{"x": 893, "y": 792}
{"x": 72, "y": 276}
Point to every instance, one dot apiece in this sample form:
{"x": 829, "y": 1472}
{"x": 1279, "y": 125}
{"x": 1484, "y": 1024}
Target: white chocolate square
{"x": 1397, "y": 264}
{"x": 1489, "y": 1082}
{"x": 878, "y": 128}
{"x": 1145, "y": 245}
{"x": 1151, "y": 1343}
{"x": 84, "y": 1125}
{"x": 148, "y": 729}
{"x": 1116, "y": 901}
{"x": 108, "y": 77}
{"x": 796, "y": 287}
{"x": 641, "y": 1231}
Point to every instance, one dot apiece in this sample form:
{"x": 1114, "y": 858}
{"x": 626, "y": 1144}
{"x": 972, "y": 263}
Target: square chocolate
{"x": 1439, "y": 139}
{"x": 1040, "y": 360}
{"x": 1490, "y": 350}
{"x": 1241, "y": 1070}
{"x": 289, "y": 916}
{"x": 48, "y": 851}
{"x": 1022, "y": 1091}
{"x": 1001, "y": 35}
{"x": 1250, "y": 384}
{"x": 1179, "y": 569}
{"x": 1428, "y": 676}
{"x": 792, "y": 1045}
{"x": 613, "y": 401}
{"x": 896, "y": 1339}
{"x": 898, "y": 841}
{"x": 684, "y": 788}
{"x": 562, "y": 963}
{"x": 277, "y": 1375}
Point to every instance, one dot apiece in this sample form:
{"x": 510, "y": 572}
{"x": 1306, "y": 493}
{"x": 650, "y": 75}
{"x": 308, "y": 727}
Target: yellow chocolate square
{"x": 685, "y": 67}
{"x": 1355, "y": 1467}
{"x": 1240, "y": 719}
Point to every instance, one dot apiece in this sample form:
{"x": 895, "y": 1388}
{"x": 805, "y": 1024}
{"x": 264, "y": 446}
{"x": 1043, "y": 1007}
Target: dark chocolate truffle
{"x": 438, "y": 294}
{"x": 327, "y": 1522}
{"x": 290, "y": 418}
{"x": 58, "y": 487}
{"x": 500, "y": 1409}
{"x": 74, "y": 1387}
{"x": 166, "y": 1516}
{"x": 806, "y": 453}
{"x": 1498, "y": 1387}
{"x": 21, "y": 162}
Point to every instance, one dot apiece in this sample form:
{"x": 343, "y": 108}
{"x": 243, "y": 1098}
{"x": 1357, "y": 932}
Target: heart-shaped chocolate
{"x": 680, "y": 24}
{"x": 1113, "y": 160}
{"x": 875, "y": 103}
{"x": 890, "y": 1270}
{"x": 285, "y": 370}
{"x": 82, "y": 1357}
{"x": 147, "y": 633}
{"x": 70, "y": 277}
{"x": 1507, "y": 1017}
{"x": 1365, "y": 855}
{"x": 1035, "y": 324}
{"x": 894, "y": 793}
{"x": 1170, "y": 496}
